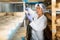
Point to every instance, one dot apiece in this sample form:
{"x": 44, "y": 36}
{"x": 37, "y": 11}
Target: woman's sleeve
{"x": 39, "y": 25}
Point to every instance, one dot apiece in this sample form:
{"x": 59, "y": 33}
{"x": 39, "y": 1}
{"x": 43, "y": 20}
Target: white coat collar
{"x": 41, "y": 16}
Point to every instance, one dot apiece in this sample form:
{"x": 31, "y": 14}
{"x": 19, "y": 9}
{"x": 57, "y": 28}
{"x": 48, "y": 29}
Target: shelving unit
{"x": 58, "y": 20}
{"x": 53, "y": 19}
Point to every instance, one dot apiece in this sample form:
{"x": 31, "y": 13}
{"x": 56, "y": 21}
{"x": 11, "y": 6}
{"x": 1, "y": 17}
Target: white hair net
{"x": 41, "y": 6}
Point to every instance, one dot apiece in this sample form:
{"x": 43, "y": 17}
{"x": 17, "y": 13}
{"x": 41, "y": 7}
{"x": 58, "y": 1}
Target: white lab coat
{"x": 38, "y": 25}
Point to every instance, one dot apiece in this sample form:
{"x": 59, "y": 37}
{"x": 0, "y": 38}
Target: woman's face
{"x": 39, "y": 10}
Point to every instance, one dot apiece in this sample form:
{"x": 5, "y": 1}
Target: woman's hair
{"x": 38, "y": 5}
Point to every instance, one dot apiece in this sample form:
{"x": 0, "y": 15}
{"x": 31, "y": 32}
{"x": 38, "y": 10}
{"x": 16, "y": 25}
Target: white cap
{"x": 41, "y": 6}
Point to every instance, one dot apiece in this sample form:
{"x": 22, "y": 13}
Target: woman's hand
{"x": 29, "y": 17}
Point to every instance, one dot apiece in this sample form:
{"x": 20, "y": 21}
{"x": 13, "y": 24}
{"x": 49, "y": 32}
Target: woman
{"x": 38, "y": 22}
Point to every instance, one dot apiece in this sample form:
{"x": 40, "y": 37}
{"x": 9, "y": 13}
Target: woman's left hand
{"x": 29, "y": 17}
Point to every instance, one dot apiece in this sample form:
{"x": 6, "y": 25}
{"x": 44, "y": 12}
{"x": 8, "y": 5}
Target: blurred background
{"x": 13, "y": 20}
